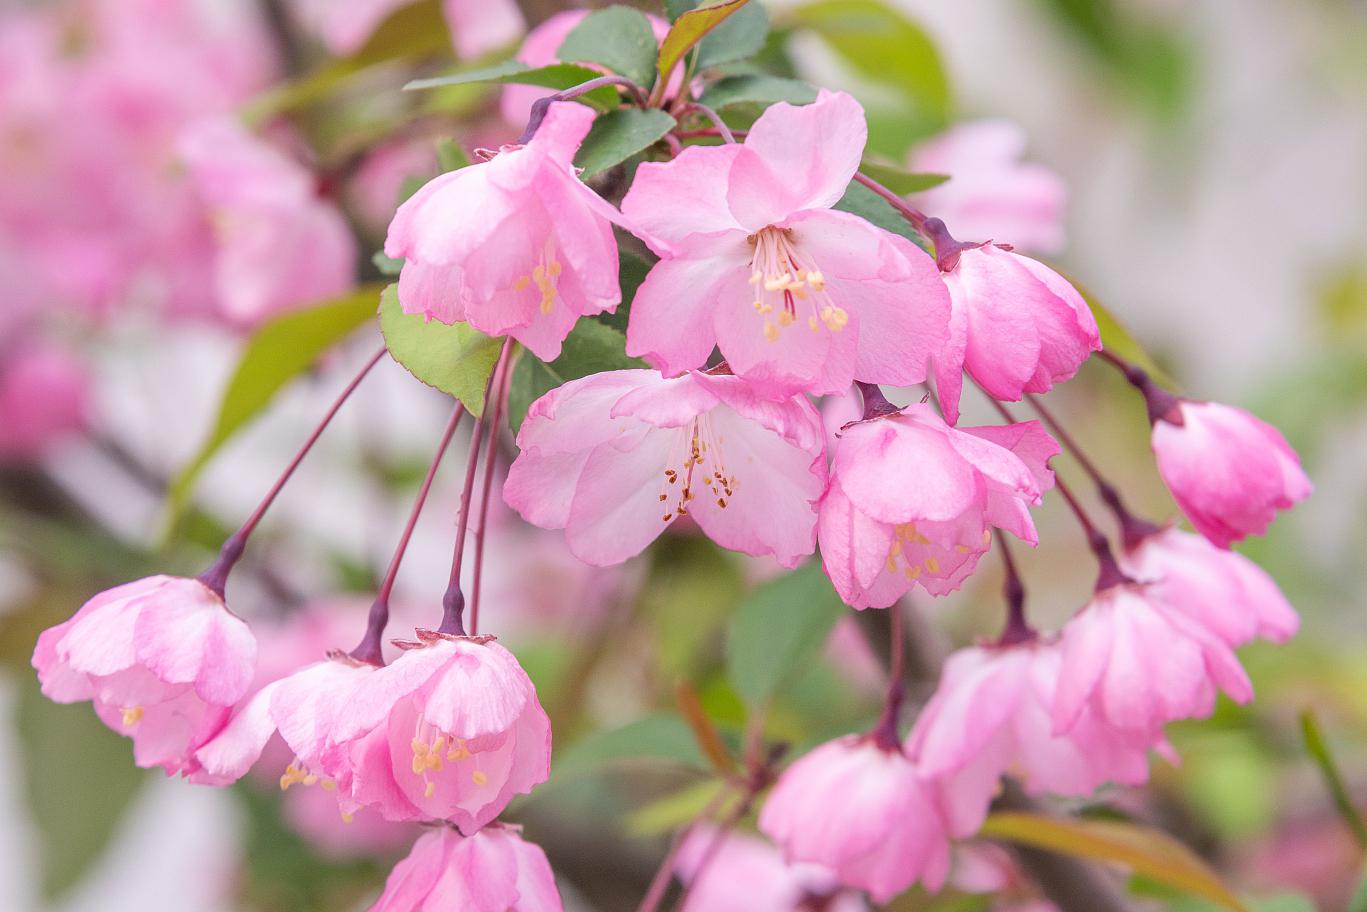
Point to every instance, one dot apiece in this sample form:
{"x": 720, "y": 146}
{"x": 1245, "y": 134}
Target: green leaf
{"x": 387, "y": 265}
{"x": 1333, "y": 779}
{"x": 554, "y": 76}
{"x": 899, "y": 180}
{"x": 868, "y": 205}
{"x": 880, "y": 43}
{"x": 618, "y": 37}
{"x": 617, "y": 136}
{"x": 674, "y": 810}
{"x": 450, "y": 156}
{"x": 456, "y": 359}
{"x": 756, "y": 90}
{"x": 692, "y": 27}
{"x": 1359, "y": 901}
{"x": 778, "y": 630}
{"x": 279, "y": 351}
{"x": 590, "y": 348}
{"x": 741, "y": 36}
{"x": 1151, "y": 853}
{"x": 663, "y": 737}
{"x": 631, "y": 272}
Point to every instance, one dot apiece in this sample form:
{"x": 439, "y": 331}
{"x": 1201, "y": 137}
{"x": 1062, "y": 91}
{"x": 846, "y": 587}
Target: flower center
{"x": 698, "y": 450}
{"x": 788, "y": 285}
{"x": 433, "y": 749}
{"x": 900, "y": 556}
{"x": 298, "y": 774}
{"x": 545, "y": 275}
{"x": 132, "y": 715}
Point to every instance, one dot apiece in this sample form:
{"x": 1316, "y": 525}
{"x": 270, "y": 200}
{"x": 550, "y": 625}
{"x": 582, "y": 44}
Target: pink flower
{"x": 864, "y": 812}
{"x": 912, "y": 500}
{"x": 799, "y": 297}
{"x": 615, "y": 458}
{"x": 515, "y": 245}
{"x": 746, "y": 874}
{"x": 991, "y": 714}
{"x": 162, "y": 659}
{"x": 279, "y": 245}
{"x": 1226, "y": 592}
{"x": 476, "y": 27}
{"x": 494, "y": 870}
{"x": 1137, "y": 663}
{"x": 1229, "y": 472}
{"x": 43, "y": 397}
{"x": 1017, "y": 326}
{"x": 991, "y": 193}
{"x": 375, "y": 188}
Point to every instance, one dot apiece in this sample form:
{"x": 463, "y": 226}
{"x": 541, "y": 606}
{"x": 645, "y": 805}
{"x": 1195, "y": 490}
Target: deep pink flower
{"x": 162, "y": 659}
{"x": 1137, "y": 663}
{"x": 991, "y": 193}
{"x": 747, "y": 874}
{"x": 1017, "y": 327}
{"x": 864, "y": 812}
{"x": 1229, "y": 472}
{"x": 615, "y": 457}
{"x": 1223, "y": 590}
{"x": 798, "y": 296}
{"x": 494, "y": 870}
{"x": 991, "y": 714}
{"x": 43, "y": 397}
{"x": 913, "y": 500}
{"x": 476, "y": 27}
{"x": 279, "y": 245}
{"x": 516, "y": 245}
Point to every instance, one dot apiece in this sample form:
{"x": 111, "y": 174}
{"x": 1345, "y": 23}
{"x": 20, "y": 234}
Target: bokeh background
{"x": 1215, "y": 155}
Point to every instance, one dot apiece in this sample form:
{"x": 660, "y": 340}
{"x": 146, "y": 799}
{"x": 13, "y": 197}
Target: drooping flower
{"x": 1136, "y": 663}
{"x": 1223, "y": 590}
{"x": 862, "y": 810}
{"x": 913, "y": 500}
{"x": 476, "y": 27}
{"x": 515, "y": 245}
{"x": 43, "y": 397}
{"x": 616, "y": 457}
{"x": 799, "y": 297}
{"x": 1229, "y": 472}
{"x": 1017, "y": 326}
{"x": 747, "y": 874}
{"x": 162, "y": 659}
{"x": 991, "y": 193}
{"x": 493, "y": 870}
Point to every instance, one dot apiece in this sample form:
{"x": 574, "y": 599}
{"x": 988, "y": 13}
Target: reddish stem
{"x": 885, "y": 734}
{"x": 499, "y": 388}
{"x": 1017, "y": 629}
{"x": 914, "y": 216}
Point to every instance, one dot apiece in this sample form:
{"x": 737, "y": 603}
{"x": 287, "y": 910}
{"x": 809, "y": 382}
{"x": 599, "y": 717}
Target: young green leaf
{"x": 617, "y": 136}
{"x": 554, "y": 76}
{"x": 456, "y": 359}
{"x": 690, "y": 28}
{"x": 741, "y": 36}
{"x": 1333, "y": 779}
{"x": 754, "y": 89}
{"x": 450, "y": 156}
{"x": 901, "y": 181}
{"x": 590, "y": 347}
{"x": 662, "y": 737}
{"x": 618, "y": 37}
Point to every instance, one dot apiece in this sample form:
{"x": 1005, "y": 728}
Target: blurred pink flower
{"x": 912, "y": 500}
{"x": 798, "y": 296}
{"x": 163, "y": 660}
{"x": 476, "y": 27}
{"x": 746, "y": 874}
{"x": 377, "y": 184}
{"x": 991, "y": 193}
{"x": 44, "y": 394}
{"x": 616, "y": 457}
{"x": 494, "y": 870}
{"x": 516, "y": 245}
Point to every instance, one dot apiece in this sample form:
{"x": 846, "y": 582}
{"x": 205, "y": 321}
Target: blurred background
{"x": 1214, "y": 154}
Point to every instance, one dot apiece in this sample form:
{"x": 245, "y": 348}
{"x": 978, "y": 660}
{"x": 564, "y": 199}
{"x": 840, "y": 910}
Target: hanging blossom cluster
{"x": 764, "y": 296}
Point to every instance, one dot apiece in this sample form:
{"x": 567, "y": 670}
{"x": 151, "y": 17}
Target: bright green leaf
{"x": 675, "y": 810}
{"x": 450, "y": 156}
{"x": 1151, "y": 853}
{"x": 868, "y": 205}
{"x": 899, "y": 180}
{"x": 741, "y": 36}
{"x": 690, "y": 28}
{"x": 617, "y": 136}
{"x": 659, "y": 738}
{"x": 778, "y": 630}
{"x": 618, "y": 37}
{"x": 1318, "y": 749}
{"x": 756, "y": 90}
{"x": 456, "y": 359}
{"x": 278, "y": 352}
{"x": 591, "y": 347}
{"x": 555, "y": 76}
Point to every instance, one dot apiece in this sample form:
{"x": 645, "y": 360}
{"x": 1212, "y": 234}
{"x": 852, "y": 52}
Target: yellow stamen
{"x": 132, "y": 716}
{"x": 478, "y": 778}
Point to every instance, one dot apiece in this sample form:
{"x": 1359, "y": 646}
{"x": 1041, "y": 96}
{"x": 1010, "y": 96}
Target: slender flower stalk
{"x": 368, "y": 650}
{"x": 655, "y": 893}
{"x": 914, "y": 216}
{"x": 499, "y": 389}
{"x": 542, "y": 105}
{"x": 216, "y": 577}
{"x": 885, "y": 733}
{"x": 722, "y": 129}
{"x": 1017, "y": 629}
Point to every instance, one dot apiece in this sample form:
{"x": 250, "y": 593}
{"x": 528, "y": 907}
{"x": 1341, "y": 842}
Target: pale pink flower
{"x": 44, "y": 395}
{"x": 1223, "y": 590}
{"x": 863, "y": 811}
{"x": 1229, "y": 472}
{"x": 753, "y": 259}
{"x": 991, "y": 193}
{"x": 279, "y": 244}
{"x": 494, "y": 870}
{"x": 476, "y": 27}
{"x": 1017, "y": 326}
{"x": 747, "y": 874}
{"x": 375, "y": 188}
{"x": 1137, "y": 663}
{"x": 162, "y": 659}
{"x": 913, "y": 500}
{"x": 516, "y": 245}
{"x": 616, "y": 457}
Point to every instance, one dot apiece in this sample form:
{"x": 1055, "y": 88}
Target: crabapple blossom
{"x": 1223, "y": 590}
{"x": 1017, "y": 326}
{"x": 861, "y": 809}
{"x": 1229, "y": 472}
{"x": 514, "y": 245}
{"x": 616, "y": 457}
{"x": 747, "y": 874}
{"x": 476, "y": 27}
{"x": 913, "y": 500}
{"x": 798, "y": 296}
{"x": 493, "y": 870}
{"x": 44, "y": 392}
{"x": 162, "y": 659}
